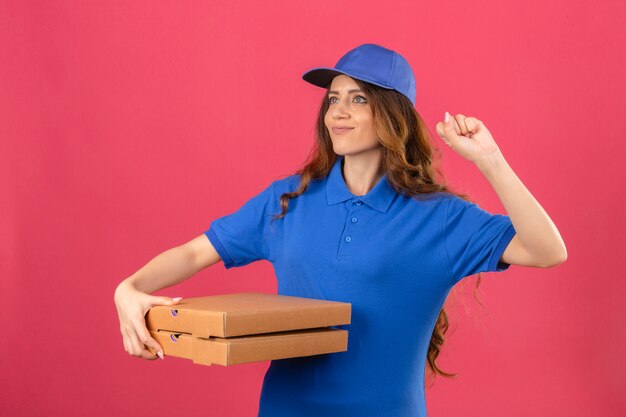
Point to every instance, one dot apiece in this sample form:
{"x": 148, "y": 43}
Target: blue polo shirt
{"x": 394, "y": 258}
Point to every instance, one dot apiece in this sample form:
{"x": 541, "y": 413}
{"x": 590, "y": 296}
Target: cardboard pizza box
{"x": 254, "y": 348}
{"x": 249, "y": 313}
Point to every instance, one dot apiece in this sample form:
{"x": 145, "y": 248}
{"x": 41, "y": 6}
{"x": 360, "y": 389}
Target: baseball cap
{"x": 371, "y": 63}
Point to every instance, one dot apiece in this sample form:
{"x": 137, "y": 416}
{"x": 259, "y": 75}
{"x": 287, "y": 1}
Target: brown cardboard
{"x": 246, "y": 349}
{"x": 239, "y": 314}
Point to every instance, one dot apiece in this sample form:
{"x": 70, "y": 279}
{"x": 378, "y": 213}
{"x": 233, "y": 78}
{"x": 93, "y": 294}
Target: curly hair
{"x": 409, "y": 158}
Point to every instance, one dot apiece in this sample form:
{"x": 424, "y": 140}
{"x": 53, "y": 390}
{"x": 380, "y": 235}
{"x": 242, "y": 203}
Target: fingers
{"x": 467, "y": 125}
{"x": 132, "y": 306}
{"x": 144, "y": 337}
{"x": 148, "y": 355}
{"x": 142, "y": 331}
{"x": 446, "y": 132}
{"x": 449, "y": 130}
{"x": 473, "y": 124}
{"x": 136, "y": 345}
{"x": 126, "y": 341}
{"x": 458, "y": 124}
{"x": 152, "y": 300}
{"x": 442, "y": 133}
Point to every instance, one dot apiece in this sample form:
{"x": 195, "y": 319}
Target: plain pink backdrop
{"x": 126, "y": 127}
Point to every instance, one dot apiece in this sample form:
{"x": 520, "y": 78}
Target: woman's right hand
{"x": 132, "y": 306}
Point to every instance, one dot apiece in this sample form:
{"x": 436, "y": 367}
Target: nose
{"x": 339, "y": 110}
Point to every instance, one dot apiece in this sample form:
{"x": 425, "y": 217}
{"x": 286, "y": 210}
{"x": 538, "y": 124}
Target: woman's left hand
{"x": 469, "y": 137}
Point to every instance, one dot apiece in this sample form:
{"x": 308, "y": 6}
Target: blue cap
{"x": 370, "y": 63}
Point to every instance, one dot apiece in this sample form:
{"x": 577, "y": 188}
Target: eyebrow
{"x": 349, "y": 91}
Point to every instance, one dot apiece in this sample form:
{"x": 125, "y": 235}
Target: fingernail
{"x": 177, "y": 299}
{"x": 160, "y": 354}
{"x": 446, "y": 117}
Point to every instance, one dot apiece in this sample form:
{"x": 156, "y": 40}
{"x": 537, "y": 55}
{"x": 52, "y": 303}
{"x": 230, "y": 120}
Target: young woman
{"x": 365, "y": 221}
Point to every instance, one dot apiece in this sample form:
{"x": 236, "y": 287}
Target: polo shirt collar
{"x": 337, "y": 191}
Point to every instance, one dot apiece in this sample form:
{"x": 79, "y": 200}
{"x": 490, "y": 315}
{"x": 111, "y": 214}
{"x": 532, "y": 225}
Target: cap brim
{"x": 321, "y": 76}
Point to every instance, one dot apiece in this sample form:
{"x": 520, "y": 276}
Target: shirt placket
{"x": 347, "y": 238}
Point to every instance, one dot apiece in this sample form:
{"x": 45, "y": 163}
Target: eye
{"x": 363, "y": 99}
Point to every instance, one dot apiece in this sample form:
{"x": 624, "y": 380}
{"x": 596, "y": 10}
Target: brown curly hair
{"x": 410, "y": 160}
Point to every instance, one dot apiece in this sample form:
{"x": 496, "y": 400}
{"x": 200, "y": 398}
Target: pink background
{"x": 126, "y": 127}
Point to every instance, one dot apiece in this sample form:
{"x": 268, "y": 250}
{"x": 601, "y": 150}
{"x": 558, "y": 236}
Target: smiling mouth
{"x": 340, "y": 130}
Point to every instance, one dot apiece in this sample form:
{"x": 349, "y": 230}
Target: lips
{"x": 340, "y": 130}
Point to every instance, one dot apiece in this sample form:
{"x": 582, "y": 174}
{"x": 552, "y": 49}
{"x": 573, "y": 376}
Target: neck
{"x": 362, "y": 172}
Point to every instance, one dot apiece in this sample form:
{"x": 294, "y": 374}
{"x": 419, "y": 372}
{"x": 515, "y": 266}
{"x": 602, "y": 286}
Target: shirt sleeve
{"x": 475, "y": 239}
{"x": 243, "y": 237}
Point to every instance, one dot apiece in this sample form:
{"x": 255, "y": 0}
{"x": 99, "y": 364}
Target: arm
{"x": 537, "y": 241}
{"x": 174, "y": 265}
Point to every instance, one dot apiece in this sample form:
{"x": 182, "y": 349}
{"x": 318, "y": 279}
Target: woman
{"x": 367, "y": 222}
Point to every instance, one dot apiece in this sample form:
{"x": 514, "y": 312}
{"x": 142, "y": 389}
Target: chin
{"x": 340, "y": 151}
{"x": 351, "y": 152}
{"x": 337, "y": 149}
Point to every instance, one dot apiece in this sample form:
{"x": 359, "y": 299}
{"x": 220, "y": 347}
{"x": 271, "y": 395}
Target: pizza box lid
{"x": 246, "y": 313}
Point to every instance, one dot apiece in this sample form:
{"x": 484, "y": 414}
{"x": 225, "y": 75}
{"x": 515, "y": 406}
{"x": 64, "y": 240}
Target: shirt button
{"x": 358, "y": 203}
{"x": 348, "y": 238}
{"x": 354, "y": 219}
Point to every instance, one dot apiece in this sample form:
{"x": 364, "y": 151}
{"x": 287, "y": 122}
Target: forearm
{"x": 166, "y": 269}
{"x": 533, "y": 226}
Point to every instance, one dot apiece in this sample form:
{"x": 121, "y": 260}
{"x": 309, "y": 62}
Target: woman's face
{"x": 349, "y": 118}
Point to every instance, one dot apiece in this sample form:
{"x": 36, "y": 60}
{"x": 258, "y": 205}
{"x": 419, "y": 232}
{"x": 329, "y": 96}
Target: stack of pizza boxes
{"x": 231, "y": 329}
